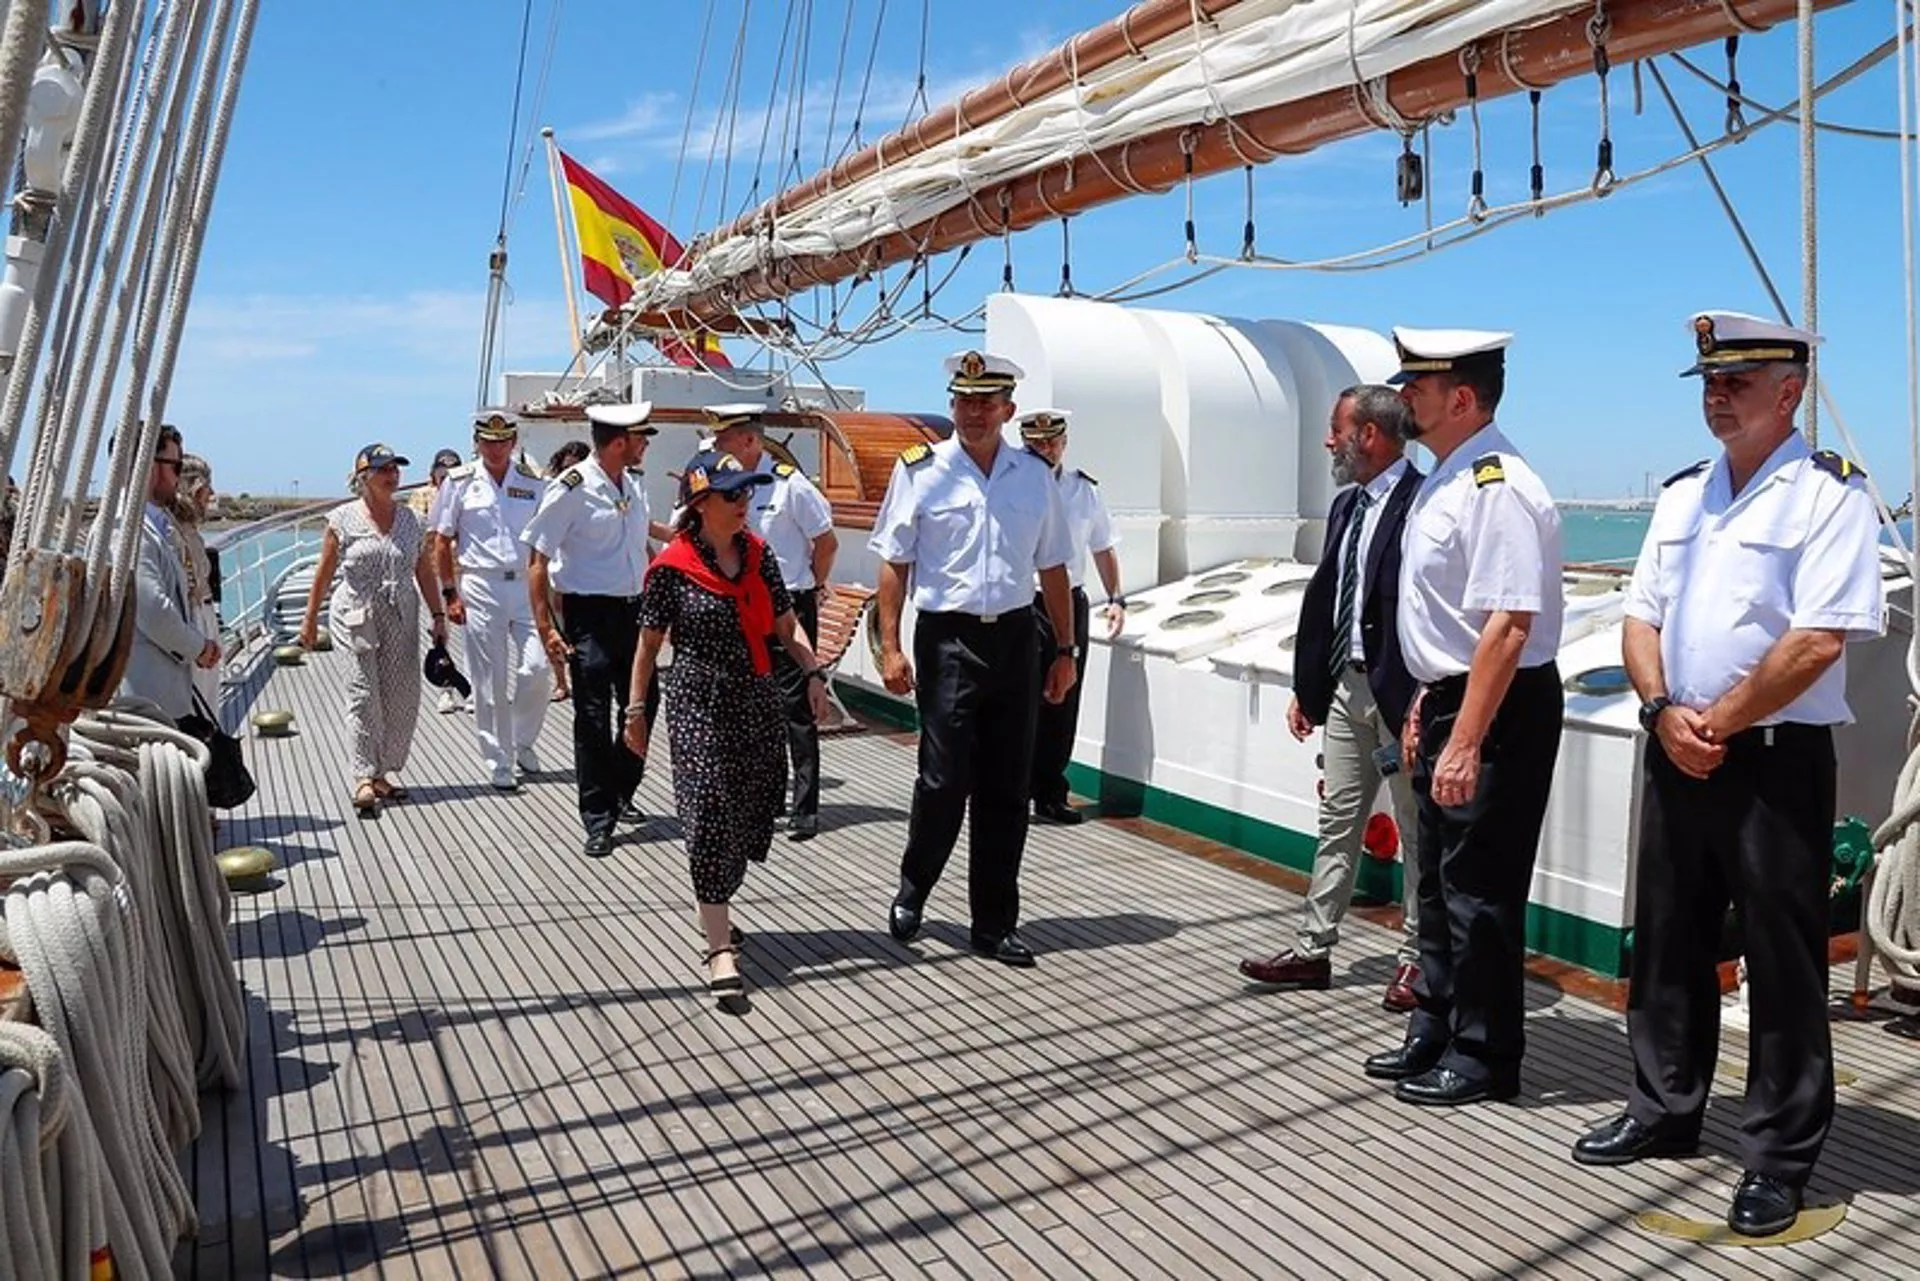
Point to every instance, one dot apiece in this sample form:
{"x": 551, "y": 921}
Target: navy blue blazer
{"x": 1379, "y": 608}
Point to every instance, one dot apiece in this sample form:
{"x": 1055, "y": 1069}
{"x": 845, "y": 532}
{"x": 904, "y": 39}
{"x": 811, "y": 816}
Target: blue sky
{"x": 341, "y": 294}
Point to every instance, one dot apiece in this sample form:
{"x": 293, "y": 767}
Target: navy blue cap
{"x": 711, "y": 471}
{"x": 440, "y": 670}
{"x": 376, "y": 455}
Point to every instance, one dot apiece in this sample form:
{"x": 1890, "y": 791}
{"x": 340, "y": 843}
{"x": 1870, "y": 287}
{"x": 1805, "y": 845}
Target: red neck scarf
{"x": 751, "y": 598}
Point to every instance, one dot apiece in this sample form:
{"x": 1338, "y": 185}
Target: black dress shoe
{"x": 1763, "y": 1205}
{"x": 903, "y": 920}
{"x": 632, "y": 814}
{"x": 1008, "y": 949}
{"x": 599, "y": 845}
{"x": 1415, "y": 1055}
{"x": 1623, "y": 1140}
{"x": 1444, "y": 1087}
{"x": 1058, "y": 812}
{"x": 803, "y": 827}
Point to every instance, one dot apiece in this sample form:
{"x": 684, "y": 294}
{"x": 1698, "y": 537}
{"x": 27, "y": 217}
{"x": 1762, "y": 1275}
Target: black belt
{"x": 594, "y": 598}
{"x": 1455, "y": 686}
{"x": 950, "y": 615}
{"x": 1785, "y": 734}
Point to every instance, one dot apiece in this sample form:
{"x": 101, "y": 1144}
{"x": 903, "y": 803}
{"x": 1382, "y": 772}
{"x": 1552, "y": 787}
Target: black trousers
{"x": 1476, "y": 866}
{"x": 803, "y": 735}
{"x": 604, "y": 632}
{"x": 1055, "y": 723}
{"x": 976, "y": 691}
{"x": 1757, "y": 832}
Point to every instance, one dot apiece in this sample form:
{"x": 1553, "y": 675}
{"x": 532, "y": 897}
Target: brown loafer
{"x": 1400, "y": 998}
{"x": 1291, "y": 970}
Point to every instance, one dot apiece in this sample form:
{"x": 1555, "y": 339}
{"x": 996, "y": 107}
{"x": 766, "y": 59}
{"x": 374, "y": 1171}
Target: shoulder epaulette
{"x": 1693, "y": 469}
{"x": 914, "y": 455}
{"x": 526, "y": 468}
{"x": 1488, "y": 471}
{"x": 461, "y": 472}
{"x": 572, "y": 478}
{"x": 1836, "y": 466}
{"x": 1083, "y": 476}
{"x": 784, "y": 470}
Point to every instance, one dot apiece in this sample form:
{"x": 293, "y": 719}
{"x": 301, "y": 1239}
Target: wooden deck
{"x": 476, "y": 1053}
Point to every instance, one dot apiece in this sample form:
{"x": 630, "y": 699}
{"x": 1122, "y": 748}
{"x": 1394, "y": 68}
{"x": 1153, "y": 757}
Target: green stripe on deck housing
{"x": 1551, "y": 932}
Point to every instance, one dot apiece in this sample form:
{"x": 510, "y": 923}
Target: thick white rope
{"x": 1809, "y": 214}
{"x": 21, "y": 40}
{"x": 112, "y": 65}
{"x": 51, "y": 1215}
{"x": 71, "y": 922}
{"x": 105, "y": 806}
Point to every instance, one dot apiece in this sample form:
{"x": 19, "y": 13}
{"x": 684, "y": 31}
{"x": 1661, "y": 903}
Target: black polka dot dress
{"x": 724, "y": 724}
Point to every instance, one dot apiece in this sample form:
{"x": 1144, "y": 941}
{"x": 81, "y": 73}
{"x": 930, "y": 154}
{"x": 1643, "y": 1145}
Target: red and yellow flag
{"x": 619, "y": 244}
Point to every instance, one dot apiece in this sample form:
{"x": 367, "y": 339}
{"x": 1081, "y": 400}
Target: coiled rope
{"x": 1892, "y": 910}
{"x": 51, "y": 1216}
{"x": 188, "y": 901}
{"x": 71, "y": 921}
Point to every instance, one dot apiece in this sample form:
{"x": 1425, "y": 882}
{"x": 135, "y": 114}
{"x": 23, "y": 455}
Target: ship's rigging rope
{"x": 44, "y": 1163}
{"x": 72, "y": 922}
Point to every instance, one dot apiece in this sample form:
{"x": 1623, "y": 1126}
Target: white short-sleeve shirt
{"x": 1482, "y": 535}
{"x": 975, "y": 541}
{"x": 593, "y": 530}
{"x": 1089, "y": 527}
{"x": 1724, "y": 577}
{"x": 485, "y": 519}
{"x": 790, "y": 513}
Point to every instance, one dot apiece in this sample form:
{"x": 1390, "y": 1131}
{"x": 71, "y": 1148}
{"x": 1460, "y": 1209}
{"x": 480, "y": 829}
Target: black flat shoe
{"x": 803, "y": 827}
{"x": 1623, "y": 1140}
{"x": 1443, "y": 1087}
{"x": 1763, "y": 1205}
{"x": 1008, "y": 949}
{"x": 598, "y": 845}
{"x": 1415, "y": 1055}
{"x": 903, "y": 920}
{"x": 632, "y": 814}
{"x": 1059, "y": 814}
{"x": 734, "y": 984}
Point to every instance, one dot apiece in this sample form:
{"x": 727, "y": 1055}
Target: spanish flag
{"x": 619, "y": 244}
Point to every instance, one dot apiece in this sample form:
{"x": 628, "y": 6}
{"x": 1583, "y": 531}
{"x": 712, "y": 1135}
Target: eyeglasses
{"x": 735, "y": 495}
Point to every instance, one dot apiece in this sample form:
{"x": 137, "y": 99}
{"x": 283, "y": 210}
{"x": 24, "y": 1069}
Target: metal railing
{"x": 254, "y": 563}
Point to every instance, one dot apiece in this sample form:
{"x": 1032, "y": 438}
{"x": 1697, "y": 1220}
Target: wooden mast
{"x": 1534, "y": 57}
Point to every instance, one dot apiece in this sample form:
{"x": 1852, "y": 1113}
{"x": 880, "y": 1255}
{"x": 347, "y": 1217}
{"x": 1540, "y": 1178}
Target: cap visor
{"x": 1729, "y": 367}
{"x": 1401, "y": 379}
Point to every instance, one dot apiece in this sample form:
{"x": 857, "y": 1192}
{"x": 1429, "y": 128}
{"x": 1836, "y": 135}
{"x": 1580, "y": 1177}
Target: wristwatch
{"x": 1650, "y": 711}
{"x": 1063, "y": 651}
{"x": 447, "y": 594}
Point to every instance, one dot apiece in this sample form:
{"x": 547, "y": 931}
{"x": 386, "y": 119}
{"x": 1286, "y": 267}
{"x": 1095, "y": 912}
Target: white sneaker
{"x": 528, "y": 761}
{"x": 449, "y": 701}
{"x": 504, "y": 781}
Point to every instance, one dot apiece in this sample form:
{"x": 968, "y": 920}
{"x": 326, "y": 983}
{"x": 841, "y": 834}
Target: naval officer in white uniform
{"x": 478, "y": 515}
{"x": 1090, "y": 530}
{"x": 1759, "y": 567}
{"x": 971, "y": 521}
{"x": 1481, "y": 601}
{"x": 796, "y": 521}
{"x": 589, "y": 543}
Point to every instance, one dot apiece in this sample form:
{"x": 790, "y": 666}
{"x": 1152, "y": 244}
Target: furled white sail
{"x": 1259, "y": 54}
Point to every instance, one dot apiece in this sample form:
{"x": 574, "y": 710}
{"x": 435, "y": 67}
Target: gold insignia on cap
{"x": 1703, "y": 334}
{"x": 973, "y": 365}
{"x": 697, "y": 481}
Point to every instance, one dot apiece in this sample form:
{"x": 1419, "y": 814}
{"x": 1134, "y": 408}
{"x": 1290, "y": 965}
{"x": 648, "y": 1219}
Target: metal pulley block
{"x": 1409, "y": 177}
{"x": 39, "y": 602}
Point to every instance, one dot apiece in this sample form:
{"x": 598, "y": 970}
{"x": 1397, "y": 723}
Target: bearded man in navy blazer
{"x": 1348, "y": 676}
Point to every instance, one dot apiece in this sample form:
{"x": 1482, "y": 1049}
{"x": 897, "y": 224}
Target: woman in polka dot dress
{"x": 717, "y": 590}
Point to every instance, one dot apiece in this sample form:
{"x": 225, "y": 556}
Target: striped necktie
{"x": 1349, "y": 600}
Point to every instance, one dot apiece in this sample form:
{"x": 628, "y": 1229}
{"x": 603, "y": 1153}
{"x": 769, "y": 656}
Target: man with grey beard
{"x": 1348, "y": 676}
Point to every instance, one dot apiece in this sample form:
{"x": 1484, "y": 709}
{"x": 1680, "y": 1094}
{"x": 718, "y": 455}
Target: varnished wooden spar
{"x": 1535, "y": 57}
{"x": 1144, "y": 24}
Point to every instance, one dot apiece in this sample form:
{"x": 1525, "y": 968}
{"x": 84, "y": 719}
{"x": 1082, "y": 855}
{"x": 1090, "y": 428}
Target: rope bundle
{"x": 70, "y": 920}
{"x": 1893, "y": 908}
{"x": 51, "y": 1215}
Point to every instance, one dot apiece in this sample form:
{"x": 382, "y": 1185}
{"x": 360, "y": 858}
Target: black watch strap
{"x": 1650, "y": 711}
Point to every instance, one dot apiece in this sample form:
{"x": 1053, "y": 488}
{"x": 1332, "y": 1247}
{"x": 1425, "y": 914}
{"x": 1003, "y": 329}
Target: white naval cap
{"x": 974, "y": 373}
{"x": 1730, "y": 342}
{"x": 631, "y": 416}
{"x": 742, "y": 414}
{"x": 1440, "y": 351}
{"x": 495, "y": 424}
{"x": 1044, "y": 424}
